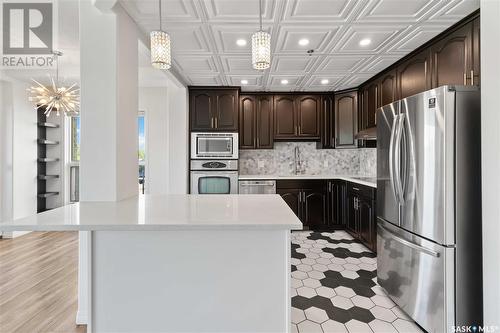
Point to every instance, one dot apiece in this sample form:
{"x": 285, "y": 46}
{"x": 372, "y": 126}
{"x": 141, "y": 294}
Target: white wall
{"x": 109, "y": 105}
{"x": 178, "y": 139}
{"x": 6, "y": 128}
{"x": 24, "y": 154}
{"x": 18, "y": 153}
{"x": 490, "y": 150}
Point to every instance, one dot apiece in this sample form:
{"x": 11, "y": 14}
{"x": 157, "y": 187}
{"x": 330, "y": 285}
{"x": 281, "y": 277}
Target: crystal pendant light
{"x": 55, "y": 97}
{"x": 261, "y": 46}
{"x": 160, "y": 47}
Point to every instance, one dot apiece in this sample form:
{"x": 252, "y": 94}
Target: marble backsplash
{"x": 281, "y": 160}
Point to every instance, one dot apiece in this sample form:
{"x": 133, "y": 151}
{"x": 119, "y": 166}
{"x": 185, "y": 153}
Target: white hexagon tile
{"x": 334, "y": 288}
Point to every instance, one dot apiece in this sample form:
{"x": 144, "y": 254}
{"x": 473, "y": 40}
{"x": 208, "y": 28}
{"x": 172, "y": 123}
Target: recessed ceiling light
{"x": 303, "y": 42}
{"x": 284, "y": 81}
{"x": 324, "y": 81}
{"x": 241, "y": 42}
{"x": 244, "y": 81}
{"x": 365, "y": 42}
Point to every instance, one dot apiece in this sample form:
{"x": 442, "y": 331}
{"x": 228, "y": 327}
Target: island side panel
{"x": 191, "y": 281}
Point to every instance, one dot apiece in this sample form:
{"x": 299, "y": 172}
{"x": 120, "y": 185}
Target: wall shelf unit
{"x": 48, "y": 162}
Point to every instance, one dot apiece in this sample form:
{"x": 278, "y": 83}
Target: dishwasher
{"x": 257, "y": 187}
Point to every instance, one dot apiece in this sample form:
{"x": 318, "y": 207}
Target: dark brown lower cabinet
{"x": 307, "y": 199}
{"x": 333, "y": 204}
{"x": 336, "y": 196}
{"x": 360, "y": 214}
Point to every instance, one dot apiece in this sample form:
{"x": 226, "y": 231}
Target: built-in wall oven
{"x": 214, "y": 177}
{"x": 214, "y": 145}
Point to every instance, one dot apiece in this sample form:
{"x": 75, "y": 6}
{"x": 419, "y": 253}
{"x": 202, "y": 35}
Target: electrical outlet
{"x": 260, "y": 164}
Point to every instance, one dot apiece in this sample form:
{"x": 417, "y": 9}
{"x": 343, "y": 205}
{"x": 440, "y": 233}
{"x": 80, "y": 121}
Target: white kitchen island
{"x": 182, "y": 263}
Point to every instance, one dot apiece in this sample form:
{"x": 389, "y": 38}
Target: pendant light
{"x": 55, "y": 97}
{"x": 160, "y": 47}
{"x": 261, "y": 46}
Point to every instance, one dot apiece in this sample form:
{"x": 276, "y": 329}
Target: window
{"x": 141, "y": 151}
{"x": 75, "y": 139}
{"x": 74, "y": 165}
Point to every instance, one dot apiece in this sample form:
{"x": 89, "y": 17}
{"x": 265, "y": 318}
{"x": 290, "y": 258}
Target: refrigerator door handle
{"x": 410, "y": 244}
{"x": 397, "y": 158}
{"x": 391, "y": 157}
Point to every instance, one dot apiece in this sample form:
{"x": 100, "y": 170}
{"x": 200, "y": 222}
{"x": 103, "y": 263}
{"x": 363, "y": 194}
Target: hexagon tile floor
{"x": 334, "y": 288}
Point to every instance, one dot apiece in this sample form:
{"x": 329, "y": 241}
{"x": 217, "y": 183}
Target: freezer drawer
{"x": 418, "y": 275}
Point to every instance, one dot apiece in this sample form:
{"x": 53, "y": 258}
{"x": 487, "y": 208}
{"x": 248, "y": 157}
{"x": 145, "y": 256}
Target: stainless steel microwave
{"x": 214, "y": 145}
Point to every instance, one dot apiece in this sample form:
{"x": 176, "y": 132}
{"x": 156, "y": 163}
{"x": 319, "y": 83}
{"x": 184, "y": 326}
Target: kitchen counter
{"x": 164, "y": 212}
{"x": 362, "y": 180}
{"x": 153, "y": 263}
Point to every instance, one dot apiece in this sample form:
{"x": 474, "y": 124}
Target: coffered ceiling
{"x": 204, "y": 35}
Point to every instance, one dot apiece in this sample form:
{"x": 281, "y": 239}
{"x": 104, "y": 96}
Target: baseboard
{"x": 14, "y": 234}
{"x": 81, "y": 318}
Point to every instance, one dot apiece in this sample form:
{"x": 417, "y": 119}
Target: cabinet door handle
{"x": 215, "y": 120}
{"x": 355, "y": 189}
{"x": 472, "y": 77}
{"x": 212, "y": 122}
{"x": 329, "y": 187}
{"x": 465, "y": 79}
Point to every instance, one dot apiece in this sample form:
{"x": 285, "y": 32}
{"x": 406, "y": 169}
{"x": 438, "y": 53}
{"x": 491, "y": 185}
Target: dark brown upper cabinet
{"x": 346, "y": 123}
{"x": 388, "y": 88}
{"x": 414, "y": 75}
{"x": 214, "y": 109}
{"x": 451, "y": 58}
{"x": 308, "y": 116}
{"x": 265, "y": 122}
{"x": 476, "y": 52}
{"x": 285, "y": 122}
{"x": 200, "y": 110}
{"x": 256, "y": 121}
{"x": 248, "y": 117}
{"x": 297, "y": 116}
{"x": 327, "y": 122}
{"x": 369, "y": 104}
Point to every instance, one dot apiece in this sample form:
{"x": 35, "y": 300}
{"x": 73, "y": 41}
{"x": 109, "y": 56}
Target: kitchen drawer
{"x": 300, "y": 183}
{"x": 363, "y": 190}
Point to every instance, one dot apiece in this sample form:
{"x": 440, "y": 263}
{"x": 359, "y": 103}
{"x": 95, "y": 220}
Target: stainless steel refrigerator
{"x": 429, "y": 206}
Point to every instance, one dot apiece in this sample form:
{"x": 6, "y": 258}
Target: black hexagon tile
{"x": 334, "y": 288}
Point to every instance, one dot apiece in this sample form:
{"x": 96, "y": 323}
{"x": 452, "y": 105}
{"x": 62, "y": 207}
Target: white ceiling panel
{"x": 378, "y": 63}
{"x": 396, "y": 10}
{"x": 240, "y": 10}
{"x": 341, "y": 63}
{"x": 379, "y": 36}
{"x": 291, "y": 65}
{"x": 417, "y": 37}
{"x": 204, "y": 35}
{"x": 318, "y": 37}
{"x": 318, "y": 10}
{"x": 197, "y": 64}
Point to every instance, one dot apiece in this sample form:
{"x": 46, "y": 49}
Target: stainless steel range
{"x": 429, "y": 206}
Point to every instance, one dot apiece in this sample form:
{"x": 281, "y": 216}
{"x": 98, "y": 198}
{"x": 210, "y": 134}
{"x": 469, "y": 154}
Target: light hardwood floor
{"x": 38, "y": 283}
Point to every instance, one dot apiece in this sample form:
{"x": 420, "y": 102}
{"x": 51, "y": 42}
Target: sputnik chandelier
{"x": 55, "y": 97}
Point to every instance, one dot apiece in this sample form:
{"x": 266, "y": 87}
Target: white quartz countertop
{"x": 362, "y": 180}
{"x": 165, "y": 212}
